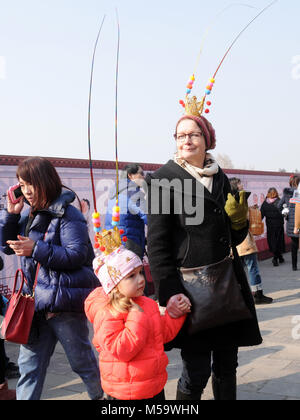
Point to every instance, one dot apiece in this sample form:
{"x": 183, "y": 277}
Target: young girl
{"x": 129, "y": 330}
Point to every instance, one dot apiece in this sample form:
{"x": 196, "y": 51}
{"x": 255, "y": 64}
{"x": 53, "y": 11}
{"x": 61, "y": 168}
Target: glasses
{"x": 181, "y": 137}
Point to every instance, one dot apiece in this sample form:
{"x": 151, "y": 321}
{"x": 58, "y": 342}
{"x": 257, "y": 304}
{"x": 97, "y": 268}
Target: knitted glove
{"x": 237, "y": 212}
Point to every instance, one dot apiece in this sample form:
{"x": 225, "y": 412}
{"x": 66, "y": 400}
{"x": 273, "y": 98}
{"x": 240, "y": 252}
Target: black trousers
{"x": 294, "y": 250}
{"x": 198, "y": 366}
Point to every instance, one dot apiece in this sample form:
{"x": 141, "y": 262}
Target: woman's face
{"x": 240, "y": 186}
{"x": 27, "y": 190}
{"x": 191, "y": 148}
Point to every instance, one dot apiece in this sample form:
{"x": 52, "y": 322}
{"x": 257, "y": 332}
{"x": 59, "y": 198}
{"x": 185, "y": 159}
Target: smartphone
{"x": 15, "y": 194}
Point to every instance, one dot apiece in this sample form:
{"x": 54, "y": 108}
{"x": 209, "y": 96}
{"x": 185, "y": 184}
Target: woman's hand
{"x": 14, "y": 208}
{"x": 178, "y": 305}
{"x": 23, "y": 247}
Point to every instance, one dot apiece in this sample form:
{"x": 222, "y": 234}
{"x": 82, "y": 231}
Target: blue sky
{"x": 45, "y": 57}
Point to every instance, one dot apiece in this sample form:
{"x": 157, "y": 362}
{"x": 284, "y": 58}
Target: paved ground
{"x": 270, "y": 371}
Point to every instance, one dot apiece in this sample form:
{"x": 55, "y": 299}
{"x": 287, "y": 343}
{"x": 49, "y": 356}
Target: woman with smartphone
{"x": 52, "y": 232}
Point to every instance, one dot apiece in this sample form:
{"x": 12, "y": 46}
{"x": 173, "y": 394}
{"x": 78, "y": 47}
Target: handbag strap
{"x": 19, "y": 270}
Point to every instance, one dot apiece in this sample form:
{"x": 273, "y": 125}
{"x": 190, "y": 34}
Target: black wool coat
{"x": 275, "y": 226}
{"x": 172, "y": 244}
{"x": 290, "y": 224}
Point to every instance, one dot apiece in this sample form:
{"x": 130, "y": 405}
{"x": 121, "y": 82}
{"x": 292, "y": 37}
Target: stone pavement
{"x": 270, "y": 371}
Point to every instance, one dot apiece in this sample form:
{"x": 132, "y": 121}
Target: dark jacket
{"x": 173, "y": 244}
{"x": 1, "y": 300}
{"x": 66, "y": 276}
{"x": 132, "y": 216}
{"x": 287, "y": 195}
{"x": 275, "y": 226}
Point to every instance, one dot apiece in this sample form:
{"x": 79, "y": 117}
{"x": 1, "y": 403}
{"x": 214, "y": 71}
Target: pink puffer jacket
{"x": 131, "y": 346}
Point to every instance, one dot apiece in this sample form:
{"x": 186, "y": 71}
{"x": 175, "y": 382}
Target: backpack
{"x": 257, "y": 226}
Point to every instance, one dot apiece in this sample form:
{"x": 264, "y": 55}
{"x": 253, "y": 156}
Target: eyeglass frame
{"x": 189, "y": 135}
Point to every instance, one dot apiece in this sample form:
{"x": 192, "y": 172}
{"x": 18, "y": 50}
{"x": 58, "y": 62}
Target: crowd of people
{"x": 132, "y": 331}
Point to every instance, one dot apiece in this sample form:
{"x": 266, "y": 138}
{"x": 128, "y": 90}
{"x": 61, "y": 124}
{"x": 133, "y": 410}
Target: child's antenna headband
{"x": 116, "y": 111}
{"x": 89, "y": 117}
{"x": 105, "y": 240}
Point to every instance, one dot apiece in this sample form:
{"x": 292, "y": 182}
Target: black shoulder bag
{"x": 215, "y": 295}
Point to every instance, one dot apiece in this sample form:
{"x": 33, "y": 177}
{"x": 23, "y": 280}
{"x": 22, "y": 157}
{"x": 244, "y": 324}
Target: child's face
{"x": 133, "y": 284}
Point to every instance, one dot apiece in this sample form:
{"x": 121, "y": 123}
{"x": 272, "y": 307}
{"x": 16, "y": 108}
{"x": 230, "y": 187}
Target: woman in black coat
{"x": 285, "y": 201}
{"x": 275, "y": 225}
{"x": 182, "y": 239}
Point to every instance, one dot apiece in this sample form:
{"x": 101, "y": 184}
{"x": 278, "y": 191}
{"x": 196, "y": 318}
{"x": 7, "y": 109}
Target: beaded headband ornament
{"x": 106, "y": 240}
{"x": 191, "y": 104}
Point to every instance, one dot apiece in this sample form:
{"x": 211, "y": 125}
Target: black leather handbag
{"x": 215, "y": 295}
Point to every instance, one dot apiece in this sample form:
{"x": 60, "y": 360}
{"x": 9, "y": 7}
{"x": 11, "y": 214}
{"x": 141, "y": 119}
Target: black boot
{"x": 260, "y": 298}
{"x": 195, "y": 396}
{"x": 281, "y": 259}
{"x": 275, "y": 262}
{"x": 294, "y": 261}
{"x": 224, "y": 389}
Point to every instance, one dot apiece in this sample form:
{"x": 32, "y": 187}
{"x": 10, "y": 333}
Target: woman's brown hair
{"x": 272, "y": 193}
{"x": 41, "y": 174}
{"x": 294, "y": 181}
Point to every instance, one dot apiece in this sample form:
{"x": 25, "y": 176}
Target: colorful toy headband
{"x": 191, "y": 104}
{"x": 106, "y": 240}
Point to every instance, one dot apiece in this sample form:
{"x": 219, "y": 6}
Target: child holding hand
{"x": 129, "y": 331}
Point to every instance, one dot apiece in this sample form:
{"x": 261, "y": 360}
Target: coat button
{"x": 223, "y": 241}
{"x": 218, "y": 211}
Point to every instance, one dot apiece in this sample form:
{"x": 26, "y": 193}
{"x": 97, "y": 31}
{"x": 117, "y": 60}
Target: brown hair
{"x": 42, "y": 175}
{"x": 294, "y": 181}
{"x": 272, "y": 193}
{"x": 234, "y": 182}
